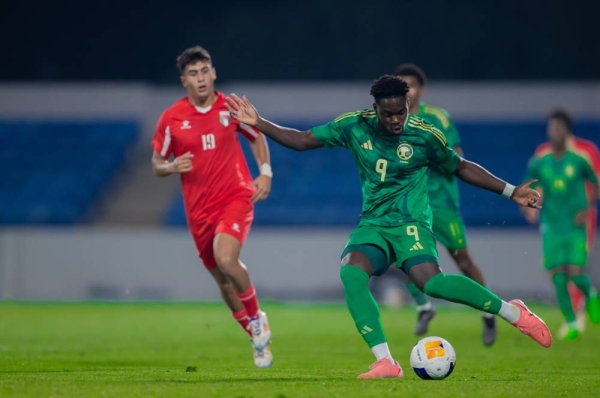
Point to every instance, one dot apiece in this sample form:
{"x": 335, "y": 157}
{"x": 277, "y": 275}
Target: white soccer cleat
{"x": 263, "y": 358}
{"x": 562, "y": 332}
{"x": 261, "y": 333}
{"x": 580, "y": 322}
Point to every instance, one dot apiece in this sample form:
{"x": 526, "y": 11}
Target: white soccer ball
{"x": 433, "y": 358}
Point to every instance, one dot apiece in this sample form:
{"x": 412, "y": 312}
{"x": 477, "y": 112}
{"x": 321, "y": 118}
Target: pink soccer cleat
{"x": 531, "y": 325}
{"x": 383, "y": 369}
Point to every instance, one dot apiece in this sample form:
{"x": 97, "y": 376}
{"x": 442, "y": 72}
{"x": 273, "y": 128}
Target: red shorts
{"x": 233, "y": 219}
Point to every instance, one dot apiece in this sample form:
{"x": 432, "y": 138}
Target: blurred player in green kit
{"x": 448, "y": 225}
{"x": 562, "y": 175}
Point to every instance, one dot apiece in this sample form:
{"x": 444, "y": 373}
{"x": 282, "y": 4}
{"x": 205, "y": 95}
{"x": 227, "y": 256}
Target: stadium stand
{"x": 55, "y": 171}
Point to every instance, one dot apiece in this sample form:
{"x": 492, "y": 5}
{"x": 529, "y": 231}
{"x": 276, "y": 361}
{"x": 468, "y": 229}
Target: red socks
{"x": 250, "y": 301}
{"x": 242, "y": 318}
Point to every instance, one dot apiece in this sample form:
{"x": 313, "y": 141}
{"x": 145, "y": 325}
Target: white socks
{"x": 509, "y": 312}
{"x": 428, "y": 306}
{"x": 382, "y": 351}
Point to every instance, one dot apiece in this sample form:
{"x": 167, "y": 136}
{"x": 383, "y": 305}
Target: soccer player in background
{"x": 448, "y": 225}
{"x": 589, "y": 151}
{"x": 218, "y": 191}
{"x": 393, "y": 151}
{"x": 562, "y": 175}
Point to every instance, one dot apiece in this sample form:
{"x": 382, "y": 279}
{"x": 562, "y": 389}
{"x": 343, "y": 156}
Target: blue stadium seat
{"x": 58, "y": 169}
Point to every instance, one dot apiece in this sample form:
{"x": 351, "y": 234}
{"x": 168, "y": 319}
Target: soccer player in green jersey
{"x": 562, "y": 175}
{"x": 448, "y": 225}
{"x": 393, "y": 151}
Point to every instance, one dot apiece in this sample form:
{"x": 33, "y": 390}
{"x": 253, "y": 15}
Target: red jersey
{"x": 584, "y": 148}
{"x": 220, "y": 172}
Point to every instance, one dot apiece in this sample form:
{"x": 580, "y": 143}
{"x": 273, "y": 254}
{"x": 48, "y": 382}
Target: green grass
{"x": 143, "y": 350}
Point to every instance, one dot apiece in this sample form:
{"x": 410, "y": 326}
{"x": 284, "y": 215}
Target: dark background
{"x": 308, "y": 40}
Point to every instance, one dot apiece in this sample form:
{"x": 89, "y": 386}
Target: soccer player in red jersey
{"x": 589, "y": 151}
{"x": 218, "y": 190}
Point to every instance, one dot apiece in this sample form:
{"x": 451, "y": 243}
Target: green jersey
{"x": 562, "y": 182}
{"x": 443, "y": 187}
{"x": 392, "y": 168}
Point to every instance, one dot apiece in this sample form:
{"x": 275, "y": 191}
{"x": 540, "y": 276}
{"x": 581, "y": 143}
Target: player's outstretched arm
{"x": 474, "y": 174}
{"x": 241, "y": 109}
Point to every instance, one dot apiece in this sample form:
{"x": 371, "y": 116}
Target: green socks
{"x": 362, "y": 305}
{"x": 560, "y": 281}
{"x": 463, "y": 290}
{"x": 417, "y": 295}
{"x": 584, "y": 284}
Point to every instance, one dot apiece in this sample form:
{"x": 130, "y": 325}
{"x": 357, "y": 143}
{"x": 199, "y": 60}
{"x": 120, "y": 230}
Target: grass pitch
{"x": 197, "y": 350}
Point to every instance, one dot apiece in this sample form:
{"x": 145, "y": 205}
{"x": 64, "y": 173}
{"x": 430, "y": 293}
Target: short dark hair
{"x": 411, "y": 70}
{"x": 563, "y": 116}
{"x": 191, "y": 56}
{"x": 388, "y": 86}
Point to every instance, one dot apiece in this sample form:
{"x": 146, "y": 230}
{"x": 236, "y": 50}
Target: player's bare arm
{"x": 474, "y": 174}
{"x": 582, "y": 217}
{"x": 162, "y": 167}
{"x": 260, "y": 150}
{"x": 241, "y": 109}
{"x": 533, "y": 215}
{"x": 595, "y": 195}
{"x": 458, "y": 149}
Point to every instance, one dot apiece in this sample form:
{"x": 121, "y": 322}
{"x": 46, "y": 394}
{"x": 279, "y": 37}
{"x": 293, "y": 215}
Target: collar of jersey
{"x": 205, "y": 110}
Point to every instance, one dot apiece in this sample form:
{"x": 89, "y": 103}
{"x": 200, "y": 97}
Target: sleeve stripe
{"x": 166, "y": 143}
{"x": 542, "y": 151}
{"x": 345, "y": 115}
{"x": 588, "y": 154}
{"x": 365, "y": 113}
{"x": 439, "y": 115}
{"x": 249, "y": 130}
{"x": 432, "y": 130}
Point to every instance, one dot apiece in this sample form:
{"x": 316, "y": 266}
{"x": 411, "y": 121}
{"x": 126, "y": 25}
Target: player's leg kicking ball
{"x": 371, "y": 250}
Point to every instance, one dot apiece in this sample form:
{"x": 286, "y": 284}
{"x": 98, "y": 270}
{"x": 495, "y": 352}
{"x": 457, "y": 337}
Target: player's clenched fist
{"x": 182, "y": 163}
{"x": 262, "y": 184}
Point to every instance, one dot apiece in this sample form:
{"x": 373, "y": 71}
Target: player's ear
{"x": 375, "y": 106}
{"x": 182, "y": 78}
{"x": 214, "y": 73}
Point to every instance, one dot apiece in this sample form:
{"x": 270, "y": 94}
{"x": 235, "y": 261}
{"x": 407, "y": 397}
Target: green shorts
{"x": 449, "y": 229}
{"x": 406, "y": 245}
{"x": 569, "y": 248}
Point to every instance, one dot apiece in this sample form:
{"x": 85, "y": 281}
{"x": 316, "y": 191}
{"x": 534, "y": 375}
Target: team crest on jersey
{"x": 185, "y": 125}
{"x": 569, "y": 171}
{"x": 224, "y": 117}
{"x": 404, "y": 151}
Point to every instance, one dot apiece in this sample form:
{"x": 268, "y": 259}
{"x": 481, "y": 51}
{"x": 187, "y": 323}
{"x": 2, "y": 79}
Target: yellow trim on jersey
{"x": 429, "y": 128}
{"x": 363, "y": 113}
{"x": 437, "y": 112}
